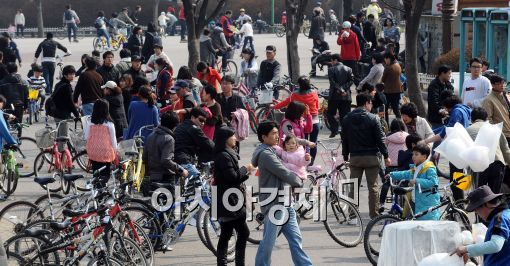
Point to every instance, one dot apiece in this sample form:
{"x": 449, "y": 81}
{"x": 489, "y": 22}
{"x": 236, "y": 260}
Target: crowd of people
{"x": 198, "y": 117}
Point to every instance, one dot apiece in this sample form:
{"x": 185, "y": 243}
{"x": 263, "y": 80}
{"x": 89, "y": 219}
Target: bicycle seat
{"x": 37, "y": 232}
{"x": 71, "y": 177}
{"x": 62, "y": 139}
{"x": 402, "y": 190}
{"x": 44, "y": 180}
{"x": 72, "y": 213}
{"x": 60, "y": 226}
{"x": 131, "y": 153}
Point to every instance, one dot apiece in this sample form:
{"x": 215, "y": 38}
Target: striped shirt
{"x": 37, "y": 83}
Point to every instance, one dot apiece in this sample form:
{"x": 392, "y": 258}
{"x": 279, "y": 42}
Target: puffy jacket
{"x": 160, "y": 160}
{"x": 436, "y": 87}
{"x": 109, "y": 73}
{"x": 362, "y": 134}
{"x": 228, "y": 174}
{"x": 340, "y": 80}
{"x": 14, "y": 91}
{"x": 350, "y": 49}
{"x": 48, "y": 48}
{"x": 309, "y": 98}
{"x": 294, "y": 161}
{"x": 426, "y": 179}
{"x": 396, "y": 142}
{"x": 190, "y": 141}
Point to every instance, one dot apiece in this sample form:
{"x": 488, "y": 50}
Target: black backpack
{"x": 98, "y": 23}
{"x": 68, "y": 15}
{"x": 49, "y": 105}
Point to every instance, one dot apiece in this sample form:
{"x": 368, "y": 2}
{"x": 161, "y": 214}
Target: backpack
{"x": 68, "y": 15}
{"x": 99, "y": 144}
{"x": 98, "y": 23}
{"x": 49, "y": 105}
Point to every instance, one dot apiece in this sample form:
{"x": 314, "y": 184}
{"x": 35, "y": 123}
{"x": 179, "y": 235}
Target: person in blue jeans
{"x": 273, "y": 175}
{"x": 101, "y": 24}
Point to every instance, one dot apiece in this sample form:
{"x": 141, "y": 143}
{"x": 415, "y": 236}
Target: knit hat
{"x": 346, "y": 25}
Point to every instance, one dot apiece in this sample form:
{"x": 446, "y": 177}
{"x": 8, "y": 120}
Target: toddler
{"x": 294, "y": 156}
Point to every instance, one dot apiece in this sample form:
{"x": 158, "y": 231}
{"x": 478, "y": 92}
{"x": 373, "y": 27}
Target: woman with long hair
{"x": 142, "y": 113}
{"x": 249, "y": 68}
{"x": 101, "y": 141}
{"x": 125, "y": 84}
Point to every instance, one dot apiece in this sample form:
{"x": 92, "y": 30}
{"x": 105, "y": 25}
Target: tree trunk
{"x": 40, "y": 22}
{"x": 448, "y": 10}
{"x": 414, "y": 9}
{"x": 347, "y": 9}
{"x": 295, "y": 12}
{"x": 155, "y": 14}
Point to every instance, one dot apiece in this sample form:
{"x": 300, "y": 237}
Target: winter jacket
{"x": 135, "y": 73}
{"x": 391, "y": 78}
{"x": 395, "y": 143}
{"x": 309, "y": 98}
{"x": 213, "y": 78}
{"x": 362, "y": 134}
{"x": 241, "y": 124}
{"x": 135, "y": 45}
{"x": 159, "y": 158}
{"x": 317, "y": 27}
{"x": 350, "y": 49}
{"x": 340, "y": 81}
{"x": 191, "y": 141}
{"x": 123, "y": 66}
{"x": 109, "y": 73}
{"x": 164, "y": 83}
{"x": 294, "y": 161}
{"x": 229, "y": 105}
{"x": 227, "y": 175}
{"x": 359, "y": 34}
{"x": 269, "y": 72}
{"x": 139, "y": 115}
{"x": 218, "y": 39}
{"x": 369, "y": 33}
{"x": 374, "y": 76}
{"x": 48, "y": 48}
{"x": 148, "y": 45}
{"x": 498, "y": 110}
{"x": 436, "y": 87}
{"x": 207, "y": 52}
{"x": 461, "y": 114}
{"x": 426, "y": 179}
{"x": 296, "y": 129}
{"x": 226, "y": 24}
{"x": 14, "y": 91}
{"x": 63, "y": 99}
{"x": 272, "y": 175}
{"x": 116, "y": 109}
{"x": 88, "y": 87}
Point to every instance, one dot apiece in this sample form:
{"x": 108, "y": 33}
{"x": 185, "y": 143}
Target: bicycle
{"x": 374, "y": 231}
{"x": 60, "y": 64}
{"x": 281, "y": 30}
{"x": 9, "y": 170}
{"x": 26, "y": 147}
{"x": 33, "y": 106}
{"x": 116, "y": 42}
{"x": 229, "y": 69}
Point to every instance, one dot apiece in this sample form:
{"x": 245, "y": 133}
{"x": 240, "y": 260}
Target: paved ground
{"x": 190, "y": 251}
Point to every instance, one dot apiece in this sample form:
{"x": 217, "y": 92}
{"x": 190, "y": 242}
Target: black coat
{"x": 63, "y": 99}
{"x": 148, "y": 46}
{"x": 117, "y": 113}
{"x": 230, "y": 105}
{"x": 227, "y": 174}
{"x": 191, "y": 141}
{"x": 134, "y": 74}
{"x": 369, "y": 33}
{"x": 14, "y": 91}
{"x": 340, "y": 80}
{"x": 436, "y": 87}
{"x": 317, "y": 27}
{"x": 109, "y": 73}
{"x": 134, "y": 45}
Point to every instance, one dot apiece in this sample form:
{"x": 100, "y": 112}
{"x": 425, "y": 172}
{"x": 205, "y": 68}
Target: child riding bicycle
{"x": 423, "y": 176}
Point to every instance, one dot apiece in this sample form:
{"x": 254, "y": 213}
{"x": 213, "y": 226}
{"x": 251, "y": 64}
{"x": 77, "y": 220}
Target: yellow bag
{"x": 465, "y": 182}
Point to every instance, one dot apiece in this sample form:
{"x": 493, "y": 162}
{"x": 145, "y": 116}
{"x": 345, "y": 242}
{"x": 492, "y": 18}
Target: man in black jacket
{"x": 228, "y": 101}
{"x": 340, "y": 81}
{"x": 363, "y": 139}
{"x": 160, "y": 161}
{"x": 48, "y": 47}
{"x": 3, "y": 67}
{"x": 436, "y": 87}
{"x": 190, "y": 142}
{"x": 369, "y": 31}
{"x": 321, "y": 55}
{"x": 269, "y": 68}
{"x": 63, "y": 95}
{"x": 136, "y": 67}
{"x": 16, "y": 93}
{"x": 108, "y": 71}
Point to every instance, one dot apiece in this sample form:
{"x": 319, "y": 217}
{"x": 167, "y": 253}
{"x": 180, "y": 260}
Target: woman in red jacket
{"x": 350, "y": 50}
{"x": 309, "y": 97}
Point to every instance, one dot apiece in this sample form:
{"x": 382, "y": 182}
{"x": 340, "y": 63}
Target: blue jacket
{"x": 139, "y": 115}
{"x": 499, "y": 224}
{"x": 460, "y": 113}
{"x": 5, "y": 135}
{"x": 426, "y": 179}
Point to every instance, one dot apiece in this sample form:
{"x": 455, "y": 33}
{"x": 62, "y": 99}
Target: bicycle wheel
{"x": 15, "y": 216}
{"x": 135, "y": 232}
{"x": 43, "y": 166}
{"x": 459, "y": 217}
{"x": 254, "y": 122}
{"x": 8, "y": 182}
{"x": 282, "y": 93}
{"x": 28, "y": 249}
{"x": 201, "y": 216}
{"x": 264, "y": 113}
{"x": 306, "y": 30}
{"x": 82, "y": 159}
{"x": 148, "y": 220}
{"x": 28, "y": 150}
{"x": 374, "y": 233}
{"x": 105, "y": 261}
{"x": 343, "y": 221}
{"x": 212, "y": 231}
{"x": 231, "y": 68}
{"x": 66, "y": 186}
{"x": 127, "y": 251}
{"x": 280, "y": 32}
{"x": 44, "y": 201}
{"x": 98, "y": 44}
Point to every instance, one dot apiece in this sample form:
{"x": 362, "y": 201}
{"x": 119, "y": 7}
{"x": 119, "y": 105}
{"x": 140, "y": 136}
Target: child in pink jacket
{"x": 396, "y": 140}
{"x": 294, "y": 156}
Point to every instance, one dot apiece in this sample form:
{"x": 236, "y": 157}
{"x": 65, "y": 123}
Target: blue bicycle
{"x": 33, "y": 106}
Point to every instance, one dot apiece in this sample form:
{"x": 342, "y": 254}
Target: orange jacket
{"x": 309, "y": 99}
{"x": 213, "y": 78}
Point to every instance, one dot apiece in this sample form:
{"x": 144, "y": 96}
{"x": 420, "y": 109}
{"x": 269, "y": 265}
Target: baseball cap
{"x": 110, "y": 85}
{"x": 270, "y": 48}
{"x": 179, "y": 84}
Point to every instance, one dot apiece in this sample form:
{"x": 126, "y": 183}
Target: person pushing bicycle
{"x": 5, "y": 135}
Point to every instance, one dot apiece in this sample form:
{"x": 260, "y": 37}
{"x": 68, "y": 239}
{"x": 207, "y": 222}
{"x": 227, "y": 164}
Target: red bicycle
{"x": 55, "y": 162}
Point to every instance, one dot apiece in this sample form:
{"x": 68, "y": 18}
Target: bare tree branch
{"x": 393, "y": 7}
{"x": 217, "y": 10}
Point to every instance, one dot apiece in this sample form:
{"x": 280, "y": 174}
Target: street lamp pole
{"x": 272, "y": 12}
{"x": 448, "y": 9}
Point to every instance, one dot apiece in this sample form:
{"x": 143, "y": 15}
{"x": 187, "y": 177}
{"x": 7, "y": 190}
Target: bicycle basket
{"x": 265, "y": 96}
{"x": 126, "y": 146}
{"x": 44, "y": 137}
{"x": 33, "y": 94}
{"x": 78, "y": 140}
